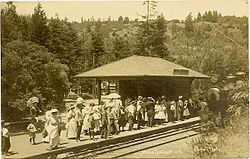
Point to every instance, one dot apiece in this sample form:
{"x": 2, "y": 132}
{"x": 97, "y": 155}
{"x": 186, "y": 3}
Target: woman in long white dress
{"x": 71, "y": 127}
{"x": 45, "y": 131}
{"x": 160, "y": 115}
{"x": 85, "y": 113}
{"x": 54, "y": 129}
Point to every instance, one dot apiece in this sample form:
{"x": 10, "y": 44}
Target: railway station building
{"x": 145, "y": 76}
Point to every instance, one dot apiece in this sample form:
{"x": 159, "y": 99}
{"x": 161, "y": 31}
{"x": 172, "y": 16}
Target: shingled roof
{"x": 140, "y": 66}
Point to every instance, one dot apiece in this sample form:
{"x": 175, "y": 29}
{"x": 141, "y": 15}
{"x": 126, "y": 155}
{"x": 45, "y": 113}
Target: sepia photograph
{"x": 124, "y": 79}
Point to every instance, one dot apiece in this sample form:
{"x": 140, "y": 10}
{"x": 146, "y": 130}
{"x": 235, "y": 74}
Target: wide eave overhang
{"x": 139, "y": 77}
{"x": 141, "y": 68}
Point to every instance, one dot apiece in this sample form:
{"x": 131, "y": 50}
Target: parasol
{"x": 113, "y": 96}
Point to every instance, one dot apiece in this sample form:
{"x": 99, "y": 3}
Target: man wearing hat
{"x": 139, "y": 112}
{"x": 150, "y": 108}
{"x": 180, "y": 108}
{"x": 79, "y": 120}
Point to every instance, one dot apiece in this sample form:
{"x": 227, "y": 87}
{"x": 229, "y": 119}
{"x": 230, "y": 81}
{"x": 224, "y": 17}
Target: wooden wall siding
{"x": 155, "y": 88}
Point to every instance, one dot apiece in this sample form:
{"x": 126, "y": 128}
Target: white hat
{"x": 140, "y": 97}
{"x": 54, "y": 111}
{"x": 151, "y": 98}
{"x": 180, "y": 97}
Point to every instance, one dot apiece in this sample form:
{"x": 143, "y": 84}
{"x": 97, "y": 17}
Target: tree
{"x": 151, "y": 34}
{"x": 97, "y": 45}
{"x": 117, "y": 47}
{"x": 209, "y": 16}
{"x": 39, "y": 26}
{"x": 9, "y": 23}
{"x": 199, "y": 18}
{"x": 65, "y": 45}
{"x": 30, "y": 70}
{"x": 204, "y": 17}
{"x": 189, "y": 26}
{"x": 158, "y": 38}
{"x": 126, "y": 20}
{"x": 120, "y": 18}
{"x": 215, "y": 17}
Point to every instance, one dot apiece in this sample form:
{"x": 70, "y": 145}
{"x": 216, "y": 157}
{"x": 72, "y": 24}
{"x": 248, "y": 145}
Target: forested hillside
{"x": 40, "y": 55}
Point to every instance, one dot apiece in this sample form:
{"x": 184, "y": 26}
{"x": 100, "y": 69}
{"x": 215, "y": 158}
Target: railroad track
{"x": 170, "y": 136}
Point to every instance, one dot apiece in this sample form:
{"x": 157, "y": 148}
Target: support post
{"x": 99, "y": 91}
{"x": 108, "y": 87}
{"x": 138, "y": 88}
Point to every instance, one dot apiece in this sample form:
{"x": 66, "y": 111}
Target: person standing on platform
{"x": 150, "y": 108}
{"x": 144, "y": 112}
{"x": 79, "y": 121}
{"x": 172, "y": 113}
{"x": 186, "y": 112}
{"x": 131, "y": 114}
{"x": 97, "y": 118}
{"x": 92, "y": 125}
{"x": 139, "y": 112}
{"x": 85, "y": 114}
{"x": 180, "y": 108}
{"x": 166, "y": 106}
{"x": 122, "y": 118}
{"x": 191, "y": 106}
{"x": 6, "y": 139}
{"x": 159, "y": 113}
{"x": 32, "y": 131}
{"x": 54, "y": 130}
{"x": 104, "y": 122}
{"x": 45, "y": 130}
{"x": 113, "y": 120}
{"x": 71, "y": 127}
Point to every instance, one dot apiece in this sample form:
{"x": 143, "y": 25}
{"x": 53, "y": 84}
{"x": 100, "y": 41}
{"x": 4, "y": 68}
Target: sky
{"x": 171, "y": 9}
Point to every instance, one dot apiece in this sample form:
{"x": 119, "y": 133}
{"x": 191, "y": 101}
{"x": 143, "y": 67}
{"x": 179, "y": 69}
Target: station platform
{"x": 21, "y": 148}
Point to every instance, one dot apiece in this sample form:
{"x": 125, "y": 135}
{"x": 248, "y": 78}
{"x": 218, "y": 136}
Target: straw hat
{"x": 140, "y": 98}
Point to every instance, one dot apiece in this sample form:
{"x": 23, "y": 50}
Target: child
{"x": 6, "y": 138}
{"x": 32, "y": 131}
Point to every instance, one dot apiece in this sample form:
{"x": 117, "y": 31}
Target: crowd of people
{"x": 112, "y": 117}
{"x": 109, "y": 118}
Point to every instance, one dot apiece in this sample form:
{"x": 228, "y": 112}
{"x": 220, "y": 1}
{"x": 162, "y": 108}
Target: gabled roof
{"x": 139, "y": 66}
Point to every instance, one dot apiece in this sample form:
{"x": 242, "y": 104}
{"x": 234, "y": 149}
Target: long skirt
{"x": 45, "y": 133}
{"x": 122, "y": 120}
{"x": 55, "y": 141}
{"x": 71, "y": 129}
{"x": 54, "y": 138}
{"x": 166, "y": 119}
{"x": 160, "y": 115}
{"x": 86, "y": 123}
{"x": 97, "y": 125}
{"x": 186, "y": 112}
